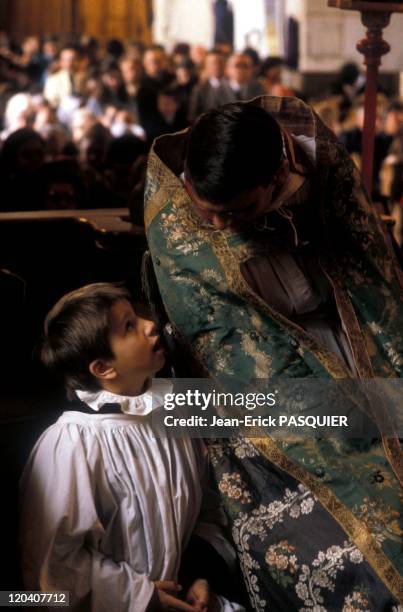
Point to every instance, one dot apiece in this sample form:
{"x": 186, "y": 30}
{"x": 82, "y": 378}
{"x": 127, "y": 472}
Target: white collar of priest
{"x": 138, "y": 405}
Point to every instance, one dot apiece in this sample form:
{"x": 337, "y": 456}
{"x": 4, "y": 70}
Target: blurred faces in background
{"x": 213, "y": 66}
{"x": 68, "y": 60}
{"x": 239, "y": 69}
{"x": 154, "y": 62}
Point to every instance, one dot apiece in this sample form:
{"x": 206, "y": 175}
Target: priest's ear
{"x": 102, "y": 370}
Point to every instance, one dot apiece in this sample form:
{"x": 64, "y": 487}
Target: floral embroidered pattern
{"x": 282, "y": 562}
{"x": 322, "y": 575}
{"x": 241, "y": 447}
{"x": 233, "y": 487}
{"x": 356, "y": 602}
{"x": 262, "y": 361}
{"x": 382, "y": 520}
{"x": 210, "y": 275}
{"x": 173, "y": 228}
{"x": 258, "y": 523}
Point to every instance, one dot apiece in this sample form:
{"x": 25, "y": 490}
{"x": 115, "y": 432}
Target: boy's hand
{"x": 199, "y": 595}
{"x": 166, "y": 591}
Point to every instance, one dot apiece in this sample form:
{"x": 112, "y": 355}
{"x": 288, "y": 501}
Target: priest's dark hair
{"x": 234, "y": 148}
{"x": 76, "y": 332}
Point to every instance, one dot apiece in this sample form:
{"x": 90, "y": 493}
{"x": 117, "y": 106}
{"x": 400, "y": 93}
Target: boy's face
{"x": 138, "y": 352}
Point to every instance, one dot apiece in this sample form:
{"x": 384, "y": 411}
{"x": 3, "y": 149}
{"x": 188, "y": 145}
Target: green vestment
{"x": 346, "y": 497}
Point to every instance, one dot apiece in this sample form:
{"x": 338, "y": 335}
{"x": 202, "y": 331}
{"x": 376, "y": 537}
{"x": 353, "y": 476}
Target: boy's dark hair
{"x": 76, "y": 332}
{"x": 231, "y": 149}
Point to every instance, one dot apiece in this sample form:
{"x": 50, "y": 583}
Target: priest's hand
{"x": 166, "y": 591}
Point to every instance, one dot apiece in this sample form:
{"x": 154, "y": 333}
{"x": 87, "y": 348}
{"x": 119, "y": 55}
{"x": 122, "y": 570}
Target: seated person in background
{"x": 394, "y": 119}
{"x": 125, "y": 122}
{"x": 121, "y": 155}
{"x": 113, "y": 89}
{"x": 50, "y": 50}
{"x": 156, "y": 78}
{"x": 203, "y": 95}
{"x": 53, "y": 133}
{"x": 272, "y": 77}
{"x": 239, "y": 83}
{"x": 29, "y": 65}
{"x": 184, "y": 83}
{"x": 254, "y": 56}
{"x": 180, "y": 52}
{"x": 352, "y": 140}
{"x": 132, "y": 72}
{"x": 349, "y": 86}
{"x": 18, "y": 114}
{"x": 108, "y": 509}
{"x": 391, "y": 175}
{"x": 93, "y": 147}
{"x": 64, "y": 82}
{"x": 62, "y": 186}
{"x": 169, "y": 117}
{"x": 22, "y": 156}
{"x": 198, "y": 55}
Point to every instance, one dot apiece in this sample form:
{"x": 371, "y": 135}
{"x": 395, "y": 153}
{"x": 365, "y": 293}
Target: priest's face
{"x": 137, "y": 349}
{"x": 245, "y": 209}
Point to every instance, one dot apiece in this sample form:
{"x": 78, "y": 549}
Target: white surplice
{"x": 107, "y": 508}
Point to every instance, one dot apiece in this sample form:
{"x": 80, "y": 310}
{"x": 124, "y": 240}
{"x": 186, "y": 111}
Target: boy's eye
{"x": 130, "y": 325}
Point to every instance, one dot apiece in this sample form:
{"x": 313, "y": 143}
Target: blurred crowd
{"x": 77, "y": 119}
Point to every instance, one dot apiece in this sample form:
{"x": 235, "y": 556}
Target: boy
{"x": 107, "y": 509}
